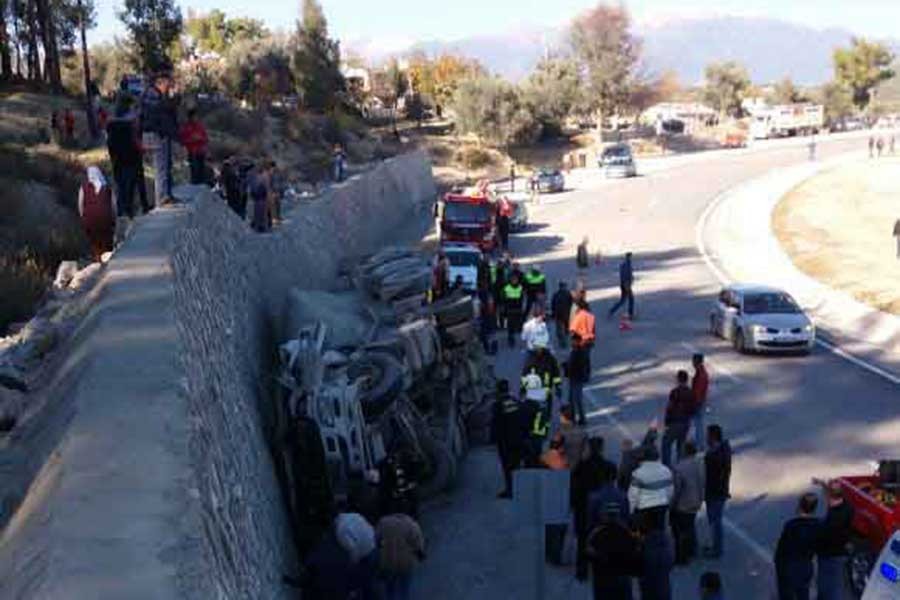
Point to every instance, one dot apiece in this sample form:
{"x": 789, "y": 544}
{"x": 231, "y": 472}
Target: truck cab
{"x": 468, "y": 219}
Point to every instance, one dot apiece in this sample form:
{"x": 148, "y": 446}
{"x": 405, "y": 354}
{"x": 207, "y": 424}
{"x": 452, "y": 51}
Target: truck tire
{"x": 448, "y": 313}
{"x": 385, "y": 375}
{"x": 859, "y": 566}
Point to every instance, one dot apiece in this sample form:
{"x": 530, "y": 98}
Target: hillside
{"x": 771, "y": 48}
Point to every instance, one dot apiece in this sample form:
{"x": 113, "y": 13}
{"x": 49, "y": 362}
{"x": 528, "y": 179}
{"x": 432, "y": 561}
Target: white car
{"x": 618, "y": 161}
{"x": 758, "y": 318}
{"x": 463, "y": 259}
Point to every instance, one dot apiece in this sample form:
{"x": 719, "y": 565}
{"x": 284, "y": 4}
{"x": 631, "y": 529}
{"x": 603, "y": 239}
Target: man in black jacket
{"x": 124, "y": 153}
{"x": 832, "y": 550}
{"x": 718, "y": 481}
{"x": 626, "y": 281}
{"x": 561, "y": 305}
{"x": 679, "y": 412}
{"x": 795, "y": 550}
{"x": 159, "y": 118}
{"x": 510, "y": 432}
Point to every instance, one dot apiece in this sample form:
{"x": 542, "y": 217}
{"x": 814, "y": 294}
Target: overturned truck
{"x": 379, "y": 393}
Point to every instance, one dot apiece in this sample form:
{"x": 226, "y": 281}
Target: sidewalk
{"x": 736, "y": 239}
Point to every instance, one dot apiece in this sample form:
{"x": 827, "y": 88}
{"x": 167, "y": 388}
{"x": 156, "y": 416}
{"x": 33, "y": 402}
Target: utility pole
{"x": 88, "y": 95}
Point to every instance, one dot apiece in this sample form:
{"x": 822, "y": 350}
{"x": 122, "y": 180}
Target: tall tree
{"x": 608, "y": 53}
{"x": 6, "y": 71}
{"x": 154, "y": 25}
{"x": 552, "y": 91}
{"x": 317, "y": 60}
{"x": 837, "y": 100}
{"x": 46, "y": 21}
{"x": 86, "y": 19}
{"x": 786, "y": 92}
{"x": 861, "y": 67}
{"x": 726, "y": 85}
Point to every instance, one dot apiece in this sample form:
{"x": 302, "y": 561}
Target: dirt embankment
{"x": 838, "y": 228}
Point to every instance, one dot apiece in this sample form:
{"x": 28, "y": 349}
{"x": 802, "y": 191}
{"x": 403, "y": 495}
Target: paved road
{"x": 788, "y": 418}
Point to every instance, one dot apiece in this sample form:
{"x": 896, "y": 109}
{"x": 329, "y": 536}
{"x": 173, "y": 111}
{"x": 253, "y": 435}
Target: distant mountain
{"x": 771, "y": 49}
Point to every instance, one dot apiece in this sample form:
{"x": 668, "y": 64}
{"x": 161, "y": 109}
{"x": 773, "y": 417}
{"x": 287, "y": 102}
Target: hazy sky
{"x": 393, "y": 24}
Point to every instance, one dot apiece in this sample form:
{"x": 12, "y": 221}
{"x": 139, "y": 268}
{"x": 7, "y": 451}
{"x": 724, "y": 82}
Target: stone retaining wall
{"x": 230, "y": 287}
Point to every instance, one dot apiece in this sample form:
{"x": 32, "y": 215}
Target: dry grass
{"x": 837, "y": 228}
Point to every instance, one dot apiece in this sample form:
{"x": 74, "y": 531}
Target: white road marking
{"x": 724, "y": 279}
{"x": 757, "y": 548}
{"x": 714, "y": 367}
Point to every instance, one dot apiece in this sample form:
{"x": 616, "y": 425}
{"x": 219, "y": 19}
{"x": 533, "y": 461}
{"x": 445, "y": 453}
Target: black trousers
{"x": 626, "y": 295}
{"x": 197, "y": 164}
{"x": 510, "y": 460}
{"x": 503, "y": 230}
{"x": 684, "y": 532}
{"x": 513, "y": 325}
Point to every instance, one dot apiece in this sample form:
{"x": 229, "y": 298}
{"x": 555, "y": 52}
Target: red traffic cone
{"x": 625, "y": 324}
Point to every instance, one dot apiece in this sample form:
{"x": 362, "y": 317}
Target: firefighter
{"x": 535, "y": 417}
{"x": 504, "y": 214}
{"x": 510, "y": 432}
{"x": 513, "y": 297}
{"x": 543, "y": 365}
{"x": 535, "y": 287}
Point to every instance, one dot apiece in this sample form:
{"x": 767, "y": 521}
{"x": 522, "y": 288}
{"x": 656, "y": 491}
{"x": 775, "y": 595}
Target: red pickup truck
{"x": 876, "y": 502}
{"x": 470, "y": 219}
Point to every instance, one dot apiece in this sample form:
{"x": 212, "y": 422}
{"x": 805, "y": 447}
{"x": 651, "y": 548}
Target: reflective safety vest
{"x": 512, "y": 292}
{"x": 539, "y": 425}
{"x": 493, "y": 274}
{"x": 534, "y": 278}
{"x": 583, "y": 324}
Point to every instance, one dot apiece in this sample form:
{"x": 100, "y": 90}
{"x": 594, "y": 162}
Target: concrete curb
{"x": 735, "y": 237}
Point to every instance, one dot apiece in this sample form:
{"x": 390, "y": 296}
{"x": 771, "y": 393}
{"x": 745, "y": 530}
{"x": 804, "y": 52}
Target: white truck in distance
{"x": 786, "y": 120}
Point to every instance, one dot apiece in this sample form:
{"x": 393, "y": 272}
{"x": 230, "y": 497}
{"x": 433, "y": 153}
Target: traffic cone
{"x": 625, "y": 324}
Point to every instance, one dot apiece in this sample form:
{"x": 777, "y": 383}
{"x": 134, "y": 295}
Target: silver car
{"x": 758, "y": 318}
{"x": 617, "y": 161}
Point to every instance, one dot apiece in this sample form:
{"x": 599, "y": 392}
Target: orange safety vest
{"x": 583, "y": 325}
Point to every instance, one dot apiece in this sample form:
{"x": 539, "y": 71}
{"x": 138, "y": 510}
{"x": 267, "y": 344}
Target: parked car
{"x": 548, "y": 180}
{"x": 758, "y": 318}
{"x": 463, "y": 259}
{"x": 617, "y": 161}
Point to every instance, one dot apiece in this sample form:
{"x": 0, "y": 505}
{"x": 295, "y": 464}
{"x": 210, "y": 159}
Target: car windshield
{"x": 465, "y": 212}
{"x": 548, "y": 173}
{"x": 770, "y": 303}
{"x": 617, "y": 152}
{"x": 463, "y": 259}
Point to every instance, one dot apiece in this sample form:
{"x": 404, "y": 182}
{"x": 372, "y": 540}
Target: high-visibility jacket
{"x": 546, "y": 368}
{"x": 583, "y": 324}
{"x": 535, "y": 283}
{"x": 512, "y": 297}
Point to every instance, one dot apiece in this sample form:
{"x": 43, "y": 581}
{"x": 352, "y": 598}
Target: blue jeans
{"x": 162, "y": 165}
{"x": 699, "y": 423}
{"x": 714, "y": 511}
{"x": 397, "y": 585}
{"x": 830, "y": 577}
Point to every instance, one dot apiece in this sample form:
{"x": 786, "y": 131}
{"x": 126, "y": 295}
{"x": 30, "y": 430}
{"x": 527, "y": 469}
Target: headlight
{"x": 809, "y": 328}
{"x": 757, "y": 329}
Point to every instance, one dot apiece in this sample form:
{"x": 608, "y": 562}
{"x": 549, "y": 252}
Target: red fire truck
{"x": 470, "y": 219}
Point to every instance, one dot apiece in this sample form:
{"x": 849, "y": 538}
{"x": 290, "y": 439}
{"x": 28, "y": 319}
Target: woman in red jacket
{"x": 97, "y": 208}
{"x": 194, "y": 139}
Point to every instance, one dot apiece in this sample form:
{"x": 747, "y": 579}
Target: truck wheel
{"x": 739, "y": 343}
{"x": 443, "y": 467}
{"x": 713, "y": 329}
{"x": 860, "y": 565}
{"x": 385, "y": 382}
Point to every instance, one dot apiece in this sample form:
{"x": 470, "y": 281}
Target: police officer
{"x": 535, "y": 287}
{"x": 509, "y": 431}
{"x": 499, "y": 278}
{"x": 513, "y": 297}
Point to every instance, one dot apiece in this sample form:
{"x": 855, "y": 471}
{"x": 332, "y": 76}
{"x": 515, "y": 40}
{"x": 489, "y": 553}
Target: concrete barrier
{"x": 155, "y": 477}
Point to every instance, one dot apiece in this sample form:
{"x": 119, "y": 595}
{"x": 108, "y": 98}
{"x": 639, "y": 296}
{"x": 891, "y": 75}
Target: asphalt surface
{"x": 788, "y": 418}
